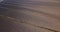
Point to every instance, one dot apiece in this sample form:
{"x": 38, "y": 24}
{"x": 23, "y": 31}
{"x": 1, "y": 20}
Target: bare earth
{"x": 30, "y": 16}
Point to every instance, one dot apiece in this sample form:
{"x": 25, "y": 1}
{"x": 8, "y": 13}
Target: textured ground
{"x": 30, "y": 16}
